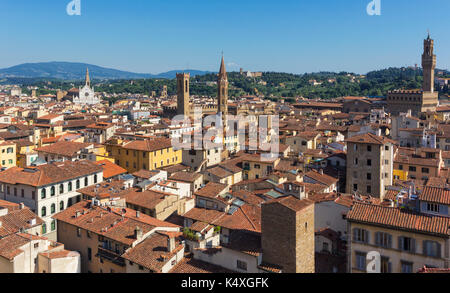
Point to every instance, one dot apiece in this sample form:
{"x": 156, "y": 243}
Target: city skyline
{"x": 241, "y": 30}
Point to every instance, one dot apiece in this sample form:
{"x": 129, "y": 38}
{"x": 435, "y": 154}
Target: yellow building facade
{"x": 144, "y": 155}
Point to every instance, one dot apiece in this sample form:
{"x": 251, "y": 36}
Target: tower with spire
{"x": 88, "y": 79}
{"x": 86, "y": 95}
{"x": 222, "y": 94}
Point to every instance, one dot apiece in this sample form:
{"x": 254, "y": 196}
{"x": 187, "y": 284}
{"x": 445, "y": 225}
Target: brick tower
{"x": 183, "y": 107}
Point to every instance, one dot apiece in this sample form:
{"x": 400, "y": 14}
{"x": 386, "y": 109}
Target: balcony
{"x": 110, "y": 256}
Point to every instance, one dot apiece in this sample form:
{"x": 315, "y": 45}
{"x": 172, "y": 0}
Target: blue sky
{"x": 152, "y": 36}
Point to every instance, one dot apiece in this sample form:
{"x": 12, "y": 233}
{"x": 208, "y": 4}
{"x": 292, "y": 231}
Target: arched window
{"x": 43, "y": 193}
{"x": 53, "y": 225}
{"x": 86, "y": 181}
{"x": 61, "y": 205}
{"x": 44, "y": 228}
{"x": 53, "y": 208}
{"x": 52, "y": 191}
{"x": 61, "y": 188}
{"x": 43, "y": 211}
{"x": 78, "y": 184}
{"x": 95, "y": 178}
{"x": 70, "y": 186}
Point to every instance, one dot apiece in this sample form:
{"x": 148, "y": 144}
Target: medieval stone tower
{"x": 183, "y": 107}
{"x": 222, "y": 95}
{"x": 428, "y": 64}
{"x": 418, "y": 101}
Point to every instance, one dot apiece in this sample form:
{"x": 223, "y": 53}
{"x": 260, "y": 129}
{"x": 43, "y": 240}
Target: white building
{"x": 86, "y": 94}
{"x": 49, "y": 189}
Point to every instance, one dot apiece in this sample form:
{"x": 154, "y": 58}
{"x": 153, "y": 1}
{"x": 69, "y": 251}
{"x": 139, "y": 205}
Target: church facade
{"x": 86, "y": 94}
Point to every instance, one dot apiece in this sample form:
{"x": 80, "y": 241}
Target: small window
{"x": 360, "y": 235}
{"x": 360, "y": 261}
{"x": 407, "y": 244}
{"x": 242, "y": 265}
{"x": 407, "y": 267}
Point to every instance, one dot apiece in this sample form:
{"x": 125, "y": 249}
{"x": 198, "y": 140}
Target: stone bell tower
{"x": 428, "y": 64}
{"x": 222, "y": 95}
{"x": 183, "y": 107}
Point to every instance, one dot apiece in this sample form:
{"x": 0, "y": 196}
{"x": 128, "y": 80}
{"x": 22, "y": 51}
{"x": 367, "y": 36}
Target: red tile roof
{"x": 110, "y": 169}
{"x": 399, "y": 219}
{"x": 49, "y": 173}
{"x": 436, "y": 195}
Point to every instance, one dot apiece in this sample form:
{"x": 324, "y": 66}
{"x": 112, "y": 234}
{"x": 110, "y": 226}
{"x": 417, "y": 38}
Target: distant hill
{"x": 77, "y": 71}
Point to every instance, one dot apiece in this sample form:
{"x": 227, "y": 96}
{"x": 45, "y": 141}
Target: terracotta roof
{"x": 185, "y": 176}
{"x": 149, "y": 145}
{"x": 212, "y": 190}
{"x": 145, "y": 174}
{"x": 436, "y": 195}
{"x": 64, "y": 148}
{"x": 399, "y": 219}
{"x": 292, "y": 203}
{"x": 110, "y": 169}
{"x": 248, "y": 197}
{"x": 106, "y": 189}
{"x": 147, "y": 199}
{"x": 15, "y": 220}
{"x": 321, "y": 178}
{"x": 190, "y": 265}
{"x": 426, "y": 270}
{"x": 10, "y": 246}
{"x": 369, "y": 138}
{"x": 59, "y": 254}
{"x": 245, "y": 218}
{"x": 49, "y": 173}
{"x": 112, "y": 224}
{"x": 152, "y": 253}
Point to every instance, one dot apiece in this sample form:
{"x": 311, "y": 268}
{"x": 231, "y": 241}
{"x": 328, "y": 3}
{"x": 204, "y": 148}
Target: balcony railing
{"x": 110, "y": 256}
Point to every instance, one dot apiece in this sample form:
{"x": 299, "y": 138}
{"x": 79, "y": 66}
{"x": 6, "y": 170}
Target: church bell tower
{"x": 222, "y": 95}
{"x": 183, "y": 94}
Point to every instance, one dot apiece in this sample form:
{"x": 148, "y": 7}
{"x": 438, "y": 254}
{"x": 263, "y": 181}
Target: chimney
{"x": 138, "y": 214}
{"x": 138, "y": 233}
{"x": 21, "y": 206}
{"x": 170, "y": 244}
{"x": 0, "y": 224}
{"x": 321, "y": 171}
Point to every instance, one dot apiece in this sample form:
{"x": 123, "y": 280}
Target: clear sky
{"x": 152, "y": 36}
